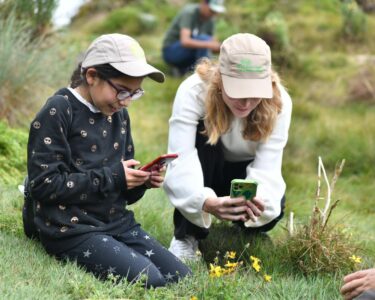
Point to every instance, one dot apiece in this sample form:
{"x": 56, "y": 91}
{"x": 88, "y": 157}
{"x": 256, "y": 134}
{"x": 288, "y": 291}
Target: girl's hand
{"x": 134, "y": 177}
{"x": 226, "y": 208}
{"x": 156, "y": 178}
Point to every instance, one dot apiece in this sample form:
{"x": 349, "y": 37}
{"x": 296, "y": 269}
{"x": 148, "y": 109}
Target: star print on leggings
{"x": 111, "y": 270}
{"x": 169, "y": 276}
{"x": 149, "y": 253}
{"x": 87, "y": 253}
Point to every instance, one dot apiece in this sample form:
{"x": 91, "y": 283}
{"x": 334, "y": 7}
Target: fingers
{"x": 134, "y": 177}
{"x": 230, "y": 217}
{"x": 355, "y": 275}
{"x": 138, "y": 174}
{"x": 255, "y": 209}
{"x": 352, "y": 288}
{"x": 155, "y": 180}
{"x": 130, "y": 163}
{"x": 259, "y": 203}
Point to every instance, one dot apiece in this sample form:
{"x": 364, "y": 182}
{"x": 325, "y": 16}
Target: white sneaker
{"x": 185, "y": 249}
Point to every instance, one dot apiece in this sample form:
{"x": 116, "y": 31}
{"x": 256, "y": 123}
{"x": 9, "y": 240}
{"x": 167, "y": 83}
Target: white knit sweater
{"x": 184, "y": 178}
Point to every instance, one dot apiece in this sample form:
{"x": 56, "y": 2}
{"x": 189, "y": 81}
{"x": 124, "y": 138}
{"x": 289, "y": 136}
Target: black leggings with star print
{"x": 132, "y": 255}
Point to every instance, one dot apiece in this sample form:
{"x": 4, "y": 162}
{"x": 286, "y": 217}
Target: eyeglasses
{"x": 123, "y": 93}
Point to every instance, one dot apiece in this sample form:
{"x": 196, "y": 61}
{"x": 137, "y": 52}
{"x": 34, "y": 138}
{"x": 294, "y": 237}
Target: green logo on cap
{"x": 246, "y": 66}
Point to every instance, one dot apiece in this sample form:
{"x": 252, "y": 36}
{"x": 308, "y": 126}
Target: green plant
{"x": 27, "y": 64}
{"x": 37, "y": 13}
{"x": 129, "y": 20}
{"x": 274, "y": 30}
{"x": 354, "y": 25}
{"x": 12, "y": 155}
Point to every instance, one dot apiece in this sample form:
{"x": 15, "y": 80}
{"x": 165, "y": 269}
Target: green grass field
{"x": 327, "y": 121}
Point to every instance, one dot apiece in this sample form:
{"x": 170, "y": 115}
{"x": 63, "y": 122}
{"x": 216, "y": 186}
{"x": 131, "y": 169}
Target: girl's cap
{"x": 245, "y": 66}
{"x": 123, "y": 53}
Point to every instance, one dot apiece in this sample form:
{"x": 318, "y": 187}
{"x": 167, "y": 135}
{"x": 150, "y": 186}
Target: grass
{"x": 26, "y": 272}
{"x": 326, "y": 122}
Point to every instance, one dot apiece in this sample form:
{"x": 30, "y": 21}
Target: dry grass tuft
{"x": 319, "y": 247}
{"x": 362, "y": 86}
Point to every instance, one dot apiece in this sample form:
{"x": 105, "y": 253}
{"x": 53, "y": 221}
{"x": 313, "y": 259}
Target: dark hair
{"x": 104, "y": 72}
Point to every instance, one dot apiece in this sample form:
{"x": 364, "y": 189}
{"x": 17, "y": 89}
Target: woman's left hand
{"x": 256, "y": 208}
{"x": 156, "y": 178}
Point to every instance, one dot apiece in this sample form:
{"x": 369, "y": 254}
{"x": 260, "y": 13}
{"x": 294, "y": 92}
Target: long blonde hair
{"x": 258, "y": 125}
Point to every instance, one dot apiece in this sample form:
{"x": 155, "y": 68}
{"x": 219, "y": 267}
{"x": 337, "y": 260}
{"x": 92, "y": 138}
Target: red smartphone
{"x": 159, "y": 162}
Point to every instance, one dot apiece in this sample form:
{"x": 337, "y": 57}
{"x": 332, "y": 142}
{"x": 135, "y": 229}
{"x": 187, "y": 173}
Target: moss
{"x": 12, "y": 154}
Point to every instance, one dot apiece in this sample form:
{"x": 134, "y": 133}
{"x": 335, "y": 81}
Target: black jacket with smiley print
{"x": 75, "y": 172}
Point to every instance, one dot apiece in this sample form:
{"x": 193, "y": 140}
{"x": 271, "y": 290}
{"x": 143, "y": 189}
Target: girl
{"x": 81, "y": 169}
{"x": 229, "y": 121}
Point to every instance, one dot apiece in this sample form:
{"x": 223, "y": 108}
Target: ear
{"x": 91, "y": 76}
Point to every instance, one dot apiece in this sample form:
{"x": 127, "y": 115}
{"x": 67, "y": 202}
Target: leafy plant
{"x": 129, "y": 20}
{"x": 12, "y": 155}
{"x": 354, "y": 25}
{"x": 26, "y": 65}
{"x": 274, "y": 30}
{"x": 37, "y": 13}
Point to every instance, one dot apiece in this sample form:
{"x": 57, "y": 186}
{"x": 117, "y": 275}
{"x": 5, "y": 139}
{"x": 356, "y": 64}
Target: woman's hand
{"x": 156, "y": 178}
{"x": 358, "y": 282}
{"x": 133, "y": 176}
{"x": 256, "y": 208}
{"x": 234, "y": 209}
{"x": 226, "y": 208}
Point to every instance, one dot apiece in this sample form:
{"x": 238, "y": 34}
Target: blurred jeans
{"x": 185, "y": 58}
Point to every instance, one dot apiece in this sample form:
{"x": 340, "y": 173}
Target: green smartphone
{"x": 243, "y": 187}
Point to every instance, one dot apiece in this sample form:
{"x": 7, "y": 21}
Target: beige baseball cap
{"x": 216, "y": 6}
{"x": 245, "y": 66}
{"x": 123, "y": 53}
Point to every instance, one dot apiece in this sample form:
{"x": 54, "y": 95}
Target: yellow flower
{"x": 231, "y": 254}
{"x": 256, "y": 266}
{"x": 228, "y": 271}
{"x": 255, "y": 259}
{"x": 215, "y": 271}
{"x": 267, "y": 278}
{"x": 193, "y": 298}
{"x": 231, "y": 264}
{"x": 355, "y": 259}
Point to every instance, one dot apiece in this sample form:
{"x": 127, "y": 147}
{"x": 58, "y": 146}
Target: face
{"x": 109, "y": 95}
{"x": 206, "y": 12}
{"x": 240, "y": 107}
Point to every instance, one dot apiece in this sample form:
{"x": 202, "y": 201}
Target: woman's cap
{"x": 216, "y": 6}
{"x": 245, "y": 66}
{"x": 123, "y": 53}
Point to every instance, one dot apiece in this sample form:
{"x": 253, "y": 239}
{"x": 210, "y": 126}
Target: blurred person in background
{"x": 191, "y": 35}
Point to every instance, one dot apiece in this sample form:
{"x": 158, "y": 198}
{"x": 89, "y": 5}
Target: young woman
{"x": 230, "y": 120}
{"x": 81, "y": 169}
